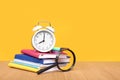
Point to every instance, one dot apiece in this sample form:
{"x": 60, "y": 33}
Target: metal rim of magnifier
{"x": 74, "y": 60}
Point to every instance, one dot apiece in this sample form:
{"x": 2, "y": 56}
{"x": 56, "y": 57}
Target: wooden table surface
{"x": 81, "y": 71}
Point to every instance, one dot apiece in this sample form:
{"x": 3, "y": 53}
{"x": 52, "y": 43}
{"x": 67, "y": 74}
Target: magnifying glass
{"x": 59, "y": 61}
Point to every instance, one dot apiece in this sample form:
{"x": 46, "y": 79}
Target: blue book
{"x": 36, "y": 60}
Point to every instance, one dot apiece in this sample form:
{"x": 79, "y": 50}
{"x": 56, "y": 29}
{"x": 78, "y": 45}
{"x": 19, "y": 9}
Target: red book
{"x": 40, "y": 55}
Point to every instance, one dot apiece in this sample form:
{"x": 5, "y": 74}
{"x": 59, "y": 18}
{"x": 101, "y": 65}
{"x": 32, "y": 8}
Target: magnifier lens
{"x": 67, "y": 62}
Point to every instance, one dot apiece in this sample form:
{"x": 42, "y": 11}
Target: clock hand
{"x": 41, "y": 41}
{"x": 44, "y": 37}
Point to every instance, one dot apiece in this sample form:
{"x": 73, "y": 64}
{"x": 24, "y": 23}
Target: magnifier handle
{"x": 45, "y": 69}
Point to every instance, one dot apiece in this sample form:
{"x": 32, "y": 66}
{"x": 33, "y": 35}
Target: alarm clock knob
{"x": 37, "y": 28}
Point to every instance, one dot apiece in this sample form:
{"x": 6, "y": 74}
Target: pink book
{"x": 41, "y": 55}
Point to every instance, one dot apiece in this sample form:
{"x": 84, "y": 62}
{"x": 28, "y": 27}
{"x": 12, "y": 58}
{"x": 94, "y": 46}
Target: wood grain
{"x": 81, "y": 71}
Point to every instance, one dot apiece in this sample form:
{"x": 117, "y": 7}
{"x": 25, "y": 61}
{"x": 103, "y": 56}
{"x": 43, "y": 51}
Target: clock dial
{"x": 43, "y": 41}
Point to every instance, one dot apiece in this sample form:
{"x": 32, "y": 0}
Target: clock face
{"x": 43, "y": 40}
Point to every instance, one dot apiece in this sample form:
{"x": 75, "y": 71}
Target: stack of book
{"x": 32, "y": 60}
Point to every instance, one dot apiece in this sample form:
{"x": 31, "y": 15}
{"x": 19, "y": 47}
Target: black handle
{"x": 45, "y": 69}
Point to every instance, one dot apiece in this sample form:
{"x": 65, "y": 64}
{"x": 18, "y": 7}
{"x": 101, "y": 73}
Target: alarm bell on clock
{"x": 43, "y": 39}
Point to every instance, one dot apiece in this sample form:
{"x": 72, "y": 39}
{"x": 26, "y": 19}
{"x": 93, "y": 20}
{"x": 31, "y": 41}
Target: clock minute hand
{"x": 44, "y": 37}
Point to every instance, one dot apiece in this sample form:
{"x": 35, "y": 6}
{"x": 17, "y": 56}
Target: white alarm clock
{"x": 43, "y": 40}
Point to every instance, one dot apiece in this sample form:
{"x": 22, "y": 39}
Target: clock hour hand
{"x": 41, "y": 41}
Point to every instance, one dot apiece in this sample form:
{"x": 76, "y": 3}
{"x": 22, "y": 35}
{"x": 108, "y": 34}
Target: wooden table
{"x": 82, "y": 71}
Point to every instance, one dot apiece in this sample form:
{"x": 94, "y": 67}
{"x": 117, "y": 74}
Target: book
{"x": 11, "y": 64}
{"x": 23, "y": 67}
{"x": 41, "y": 55}
{"x": 56, "y": 49}
{"x": 41, "y": 61}
{"x": 26, "y": 64}
{"x": 32, "y": 63}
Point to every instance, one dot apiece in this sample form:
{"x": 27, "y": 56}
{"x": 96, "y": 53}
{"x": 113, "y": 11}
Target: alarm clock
{"x": 43, "y": 39}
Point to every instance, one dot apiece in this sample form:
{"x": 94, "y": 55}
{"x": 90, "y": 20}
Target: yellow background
{"x": 91, "y": 28}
